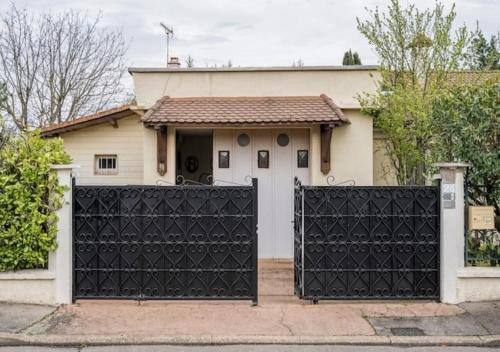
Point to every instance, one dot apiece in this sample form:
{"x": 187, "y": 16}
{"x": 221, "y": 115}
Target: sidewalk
{"x": 279, "y": 318}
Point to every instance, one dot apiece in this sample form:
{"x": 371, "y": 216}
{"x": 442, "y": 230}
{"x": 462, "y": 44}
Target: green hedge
{"x": 29, "y": 196}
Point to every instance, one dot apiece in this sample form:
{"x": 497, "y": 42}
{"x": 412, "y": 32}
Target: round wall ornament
{"x": 243, "y": 140}
{"x": 283, "y": 139}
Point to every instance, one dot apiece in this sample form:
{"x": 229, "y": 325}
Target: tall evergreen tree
{"x": 356, "y": 59}
{"x": 484, "y": 54}
{"x": 347, "y": 60}
{"x": 351, "y": 58}
{"x": 189, "y": 62}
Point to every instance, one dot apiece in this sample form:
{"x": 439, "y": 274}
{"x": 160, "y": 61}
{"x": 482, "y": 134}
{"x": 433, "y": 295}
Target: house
{"x": 204, "y": 125}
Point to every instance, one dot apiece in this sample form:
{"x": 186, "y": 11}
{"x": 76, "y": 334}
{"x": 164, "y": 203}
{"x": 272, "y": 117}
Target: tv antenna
{"x": 169, "y": 31}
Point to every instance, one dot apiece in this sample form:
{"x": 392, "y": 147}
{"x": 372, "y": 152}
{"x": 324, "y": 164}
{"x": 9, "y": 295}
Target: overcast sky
{"x": 249, "y": 32}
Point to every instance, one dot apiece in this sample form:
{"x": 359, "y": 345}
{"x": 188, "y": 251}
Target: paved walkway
{"x": 274, "y": 316}
{"x": 247, "y": 348}
{"x": 279, "y": 318}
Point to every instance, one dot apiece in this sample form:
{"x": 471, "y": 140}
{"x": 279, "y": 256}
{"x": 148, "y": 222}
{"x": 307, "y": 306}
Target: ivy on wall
{"x": 29, "y": 196}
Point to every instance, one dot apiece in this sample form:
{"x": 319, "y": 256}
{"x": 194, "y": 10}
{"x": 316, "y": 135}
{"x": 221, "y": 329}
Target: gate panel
{"x": 165, "y": 242}
{"x": 367, "y": 242}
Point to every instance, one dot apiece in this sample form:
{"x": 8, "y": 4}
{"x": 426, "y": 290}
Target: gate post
{"x": 452, "y": 216}
{"x": 60, "y": 261}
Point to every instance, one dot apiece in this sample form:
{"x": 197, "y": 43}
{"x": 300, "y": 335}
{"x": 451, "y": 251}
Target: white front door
{"x": 275, "y": 177}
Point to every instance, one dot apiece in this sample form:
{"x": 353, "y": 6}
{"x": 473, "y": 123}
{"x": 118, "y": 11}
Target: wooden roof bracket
{"x": 113, "y": 122}
{"x": 326, "y": 141}
{"x": 161, "y": 149}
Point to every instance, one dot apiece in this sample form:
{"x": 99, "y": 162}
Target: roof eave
{"x": 54, "y": 131}
{"x": 133, "y": 70}
{"x": 229, "y": 124}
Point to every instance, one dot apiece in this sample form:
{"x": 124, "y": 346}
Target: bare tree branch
{"x": 58, "y": 66}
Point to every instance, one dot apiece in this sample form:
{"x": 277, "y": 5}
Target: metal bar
{"x": 166, "y": 242}
{"x": 73, "y": 236}
{"x": 369, "y": 298}
{"x": 161, "y": 216}
{"x": 466, "y": 217}
{"x": 173, "y": 270}
{"x": 437, "y": 195}
{"x": 255, "y": 208}
{"x": 173, "y": 298}
{"x": 302, "y": 259}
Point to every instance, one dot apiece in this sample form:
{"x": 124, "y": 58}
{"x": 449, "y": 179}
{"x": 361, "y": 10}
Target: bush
{"x": 29, "y": 196}
{"x": 467, "y": 126}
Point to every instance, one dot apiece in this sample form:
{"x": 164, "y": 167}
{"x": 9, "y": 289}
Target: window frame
{"x": 98, "y": 170}
{"x": 219, "y": 164}
{"x": 298, "y": 158}
{"x": 265, "y": 162}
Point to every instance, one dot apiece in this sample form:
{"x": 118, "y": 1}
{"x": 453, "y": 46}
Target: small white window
{"x": 106, "y": 165}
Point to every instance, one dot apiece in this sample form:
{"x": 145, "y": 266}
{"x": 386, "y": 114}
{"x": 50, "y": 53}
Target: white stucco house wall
{"x": 203, "y": 124}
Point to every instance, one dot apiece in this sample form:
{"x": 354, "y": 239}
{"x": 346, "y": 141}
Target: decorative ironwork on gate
{"x": 366, "y": 242}
{"x": 165, "y": 242}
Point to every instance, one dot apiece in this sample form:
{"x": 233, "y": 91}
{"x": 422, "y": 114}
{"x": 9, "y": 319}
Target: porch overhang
{"x": 245, "y": 111}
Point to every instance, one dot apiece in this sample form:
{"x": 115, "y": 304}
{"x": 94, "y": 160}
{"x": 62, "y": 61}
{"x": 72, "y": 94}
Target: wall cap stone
{"x": 478, "y": 272}
{"x": 33, "y": 274}
{"x": 453, "y": 165}
{"x": 64, "y": 167}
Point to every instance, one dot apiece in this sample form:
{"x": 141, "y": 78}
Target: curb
{"x": 10, "y": 339}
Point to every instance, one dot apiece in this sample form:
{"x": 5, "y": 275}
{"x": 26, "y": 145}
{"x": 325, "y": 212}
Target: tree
{"x": 189, "y": 62}
{"x": 417, "y": 53}
{"x": 5, "y": 131}
{"x": 348, "y": 59}
{"x": 484, "y": 54}
{"x": 467, "y": 123}
{"x": 351, "y": 58}
{"x": 5, "y": 134}
{"x": 356, "y": 58}
{"x": 298, "y": 63}
{"x": 228, "y": 65}
{"x": 57, "y": 66}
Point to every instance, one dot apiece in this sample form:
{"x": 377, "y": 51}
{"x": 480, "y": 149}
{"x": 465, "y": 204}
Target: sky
{"x": 249, "y": 32}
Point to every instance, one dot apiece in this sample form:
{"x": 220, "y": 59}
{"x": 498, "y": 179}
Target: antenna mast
{"x": 169, "y": 31}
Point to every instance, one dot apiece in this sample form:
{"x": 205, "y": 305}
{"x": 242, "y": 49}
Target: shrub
{"x": 467, "y": 123}
{"x": 29, "y": 196}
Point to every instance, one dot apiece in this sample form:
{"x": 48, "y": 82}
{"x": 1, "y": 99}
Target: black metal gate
{"x": 165, "y": 242}
{"x": 366, "y": 242}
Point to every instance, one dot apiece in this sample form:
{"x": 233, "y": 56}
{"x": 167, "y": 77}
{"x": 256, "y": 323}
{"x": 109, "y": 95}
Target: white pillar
{"x": 452, "y": 228}
{"x": 60, "y": 261}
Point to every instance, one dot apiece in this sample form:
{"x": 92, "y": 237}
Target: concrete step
{"x": 275, "y": 287}
{"x": 275, "y": 277}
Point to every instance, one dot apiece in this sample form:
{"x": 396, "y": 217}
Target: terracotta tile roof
{"x": 245, "y": 110}
{"x": 472, "y": 76}
{"x": 83, "y": 121}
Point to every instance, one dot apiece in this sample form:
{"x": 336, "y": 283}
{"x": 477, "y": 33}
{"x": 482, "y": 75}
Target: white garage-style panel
{"x": 275, "y": 178}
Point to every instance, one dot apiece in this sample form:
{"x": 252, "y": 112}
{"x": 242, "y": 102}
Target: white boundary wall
{"x": 478, "y": 284}
{"x": 27, "y": 286}
{"x": 458, "y": 282}
{"x": 52, "y": 285}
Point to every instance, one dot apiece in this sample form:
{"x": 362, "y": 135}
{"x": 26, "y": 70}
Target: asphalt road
{"x": 249, "y": 348}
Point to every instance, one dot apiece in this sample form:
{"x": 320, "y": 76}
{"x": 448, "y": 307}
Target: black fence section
{"x": 482, "y": 247}
{"x": 366, "y": 242}
{"x": 165, "y": 242}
